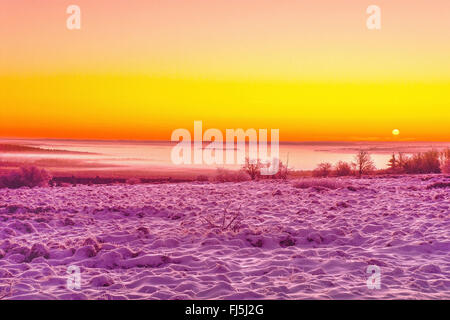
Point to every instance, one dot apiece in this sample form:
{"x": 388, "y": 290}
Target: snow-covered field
{"x": 249, "y": 240}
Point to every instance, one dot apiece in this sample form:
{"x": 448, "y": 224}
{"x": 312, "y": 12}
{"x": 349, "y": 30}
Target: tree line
{"x": 432, "y": 161}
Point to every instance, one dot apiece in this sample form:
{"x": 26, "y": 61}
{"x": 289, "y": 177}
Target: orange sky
{"x": 140, "y": 69}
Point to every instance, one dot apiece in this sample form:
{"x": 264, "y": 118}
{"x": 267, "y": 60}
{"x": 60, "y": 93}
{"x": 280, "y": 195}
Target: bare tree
{"x": 363, "y": 163}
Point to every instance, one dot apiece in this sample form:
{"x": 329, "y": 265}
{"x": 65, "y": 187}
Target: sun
{"x": 395, "y": 132}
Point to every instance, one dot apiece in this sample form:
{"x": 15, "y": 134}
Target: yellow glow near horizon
{"x": 140, "y": 107}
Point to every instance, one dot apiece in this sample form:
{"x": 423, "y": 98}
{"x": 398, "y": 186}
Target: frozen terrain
{"x": 249, "y": 240}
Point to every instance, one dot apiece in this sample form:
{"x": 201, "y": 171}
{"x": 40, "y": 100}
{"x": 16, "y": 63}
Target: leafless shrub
{"x": 226, "y": 222}
{"x": 431, "y": 161}
{"x": 445, "y": 167}
{"x": 342, "y": 169}
{"x": 323, "y": 170}
{"x": 445, "y": 155}
{"x": 25, "y": 177}
{"x": 253, "y": 168}
{"x": 445, "y": 160}
{"x": 283, "y": 171}
{"x": 426, "y": 162}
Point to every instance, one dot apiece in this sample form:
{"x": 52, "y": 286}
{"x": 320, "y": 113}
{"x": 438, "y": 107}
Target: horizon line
{"x": 224, "y": 140}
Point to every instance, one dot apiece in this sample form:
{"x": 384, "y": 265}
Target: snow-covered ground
{"x": 249, "y": 240}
